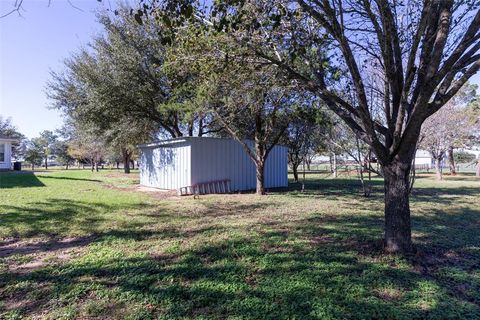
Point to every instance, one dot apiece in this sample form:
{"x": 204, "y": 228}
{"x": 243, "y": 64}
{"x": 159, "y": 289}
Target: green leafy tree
{"x": 399, "y": 71}
{"x": 47, "y": 140}
{"x": 34, "y": 152}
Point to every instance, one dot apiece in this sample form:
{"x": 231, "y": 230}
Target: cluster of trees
{"x": 244, "y": 69}
{"x": 452, "y": 127}
{"x": 65, "y": 147}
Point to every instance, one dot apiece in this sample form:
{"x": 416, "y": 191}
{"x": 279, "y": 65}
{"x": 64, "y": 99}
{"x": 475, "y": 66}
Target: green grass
{"x": 82, "y": 245}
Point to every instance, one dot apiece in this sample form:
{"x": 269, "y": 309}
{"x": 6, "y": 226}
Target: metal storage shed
{"x": 181, "y": 162}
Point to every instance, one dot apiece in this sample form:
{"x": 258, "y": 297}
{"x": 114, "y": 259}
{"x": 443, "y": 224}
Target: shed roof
{"x": 174, "y": 141}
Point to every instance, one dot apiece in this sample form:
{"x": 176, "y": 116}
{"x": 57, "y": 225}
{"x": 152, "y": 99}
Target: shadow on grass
{"x": 19, "y": 180}
{"x": 54, "y": 217}
{"x": 325, "y": 266}
{"x": 68, "y": 178}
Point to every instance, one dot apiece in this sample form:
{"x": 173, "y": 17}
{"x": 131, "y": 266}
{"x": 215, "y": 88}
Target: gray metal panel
{"x": 196, "y": 160}
{"x": 165, "y": 167}
{"x": 219, "y": 159}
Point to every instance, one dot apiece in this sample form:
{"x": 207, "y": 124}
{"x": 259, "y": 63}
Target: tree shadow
{"x": 19, "y": 180}
{"x": 54, "y": 217}
{"x": 324, "y": 266}
{"x": 68, "y": 178}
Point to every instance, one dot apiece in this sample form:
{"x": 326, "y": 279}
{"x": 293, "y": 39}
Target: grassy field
{"x": 82, "y": 245}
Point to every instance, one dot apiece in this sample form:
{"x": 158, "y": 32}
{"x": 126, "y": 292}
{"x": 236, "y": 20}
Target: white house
{"x": 187, "y": 161}
{"x": 423, "y": 157}
{"x": 6, "y": 153}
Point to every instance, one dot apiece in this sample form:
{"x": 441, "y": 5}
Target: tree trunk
{"x": 96, "y": 166}
{"x": 334, "y": 165}
{"x": 451, "y": 161}
{"x": 133, "y": 164}
{"x": 118, "y": 164}
{"x": 126, "y": 161}
{"x": 397, "y": 208}
{"x": 260, "y": 172}
{"x": 92, "y": 164}
{"x": 46, "y": 163}
{"x": 66, "y": 166}
{"x": 438, "y": 169}
{"x": 295, "y": 172}
{"x": 478, "y": 168}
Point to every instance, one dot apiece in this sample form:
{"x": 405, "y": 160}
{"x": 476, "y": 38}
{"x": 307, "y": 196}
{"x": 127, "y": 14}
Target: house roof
{"x": 5, "y": 138}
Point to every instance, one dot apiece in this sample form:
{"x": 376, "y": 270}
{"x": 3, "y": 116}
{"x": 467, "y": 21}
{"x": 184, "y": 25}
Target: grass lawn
{"x": 82, "y": 245}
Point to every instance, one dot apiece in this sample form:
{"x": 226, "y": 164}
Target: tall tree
{"x": 47, "y": 140}
{"x": 305, "y": 135}
{"x": 402, "y": 61}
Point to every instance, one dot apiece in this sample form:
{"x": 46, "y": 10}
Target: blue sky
{"x": 34, "y": 44}
{"x": 31, "y": 46}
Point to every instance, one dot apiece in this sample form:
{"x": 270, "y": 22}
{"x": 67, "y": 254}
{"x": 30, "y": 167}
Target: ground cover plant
{"x": 76, "y": 244}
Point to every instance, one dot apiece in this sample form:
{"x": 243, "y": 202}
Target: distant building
{"x": 423, "y": 157}
{"x": 188, "y": 161}
{"x": 6, "y": 152}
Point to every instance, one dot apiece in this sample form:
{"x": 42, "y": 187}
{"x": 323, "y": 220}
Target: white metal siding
{"x": 199, "y": 160}
{"x": 276, "y": 168}
{"x": 165, "y": 167}
{"x": 7, "y": 164}
{"x": 219, "y": 159}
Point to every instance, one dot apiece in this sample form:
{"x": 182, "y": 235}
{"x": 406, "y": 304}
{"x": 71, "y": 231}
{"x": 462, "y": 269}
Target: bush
{"x": 463, "y": 157}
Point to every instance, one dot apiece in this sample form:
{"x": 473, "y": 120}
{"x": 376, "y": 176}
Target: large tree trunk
{"x": 126, "y": 161}
{"x": 260, "y": 173}
{"x": 397, "y": 207}
{"x": 438, "y": 169}
{"x": 451, "y": 161}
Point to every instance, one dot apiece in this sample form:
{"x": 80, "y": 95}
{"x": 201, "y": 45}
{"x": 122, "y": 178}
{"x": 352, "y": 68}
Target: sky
{"x": 31, "y": 46}
{"x": 34, "y": 44}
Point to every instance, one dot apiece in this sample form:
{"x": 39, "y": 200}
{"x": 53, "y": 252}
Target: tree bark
{"x": 46, "y": 163}
{"x": 295, "y": 172}
{"x": 451, "y": 161}
{"x": 478, "y": 168}
{"x": 438, "y": 169}
{"x": 126, "y": 161}
{"x": 260, "y": 174}
{"x": 96, "y": 166}
{"x": 398, "y": 237}
{"x": 334, "y": 165}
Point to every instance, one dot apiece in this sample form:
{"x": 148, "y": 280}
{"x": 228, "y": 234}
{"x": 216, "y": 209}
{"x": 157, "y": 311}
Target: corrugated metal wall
{"x": 166, "y": 167}
{"x": 218, "y": 159}
{"x": 200, "y": 160}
